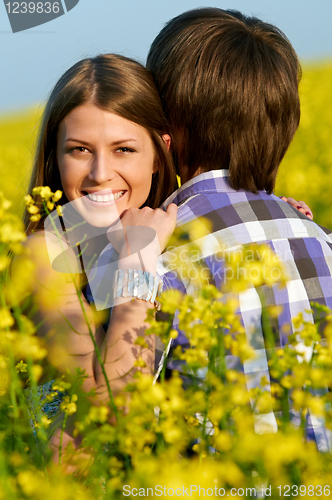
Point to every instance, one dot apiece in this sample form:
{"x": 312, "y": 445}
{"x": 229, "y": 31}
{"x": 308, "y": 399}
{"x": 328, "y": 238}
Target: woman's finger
{"x": 301, "y": 206}
{"x": 172, "y": 210}
{"x": 305, "y": 208}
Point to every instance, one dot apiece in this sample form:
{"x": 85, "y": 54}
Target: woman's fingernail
{"x": 308, "y": 213}
{"x": 298, "y": 207}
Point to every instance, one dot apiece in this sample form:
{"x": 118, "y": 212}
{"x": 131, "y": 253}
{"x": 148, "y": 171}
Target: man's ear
{"x": 167, "y": 140}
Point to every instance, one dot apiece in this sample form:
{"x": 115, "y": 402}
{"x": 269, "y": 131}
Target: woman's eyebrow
{"x": 71, "y": 139}
{"x": 115, "y": 143}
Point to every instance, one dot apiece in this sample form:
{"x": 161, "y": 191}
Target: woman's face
{"x": 106, "y": 163}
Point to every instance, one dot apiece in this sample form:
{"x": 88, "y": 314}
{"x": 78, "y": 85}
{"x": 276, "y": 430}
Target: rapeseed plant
{"x": 205, "y": 431}
{"x": 165, "y": 434}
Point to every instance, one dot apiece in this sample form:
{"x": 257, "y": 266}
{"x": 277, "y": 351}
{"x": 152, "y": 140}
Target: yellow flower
{"x": 287, "y": 381}
{"x": 141, "y": 342}
{"x": 22, "y": 280}
{"x": 4, "y": 374}
{"x": 223, "y": 441}
{"x": 4, "y": 262}
{"x": 170, "y": 301}
{"x": 174, "y": 334}
{"x": 35, "y": 218}
{"x": 252, "y": 265}
{"x": 59, "y": 210}
{"x": 60, "y": 385}
{"x": 140, "y": 363}
{"x": 98, "y": 414}
{"x": 316, "y": 405}
{"x": 199, "y": 228}
{"x": 4, "y": 204}
{"x": 27, "y": 481}
{"x": 11, "y": 234}
{"x": 298, "y": 321}
{"x": 43, "y": 191}
{"x": 37, "y": 370}
{"x": 299, "y": 398}
{"x": 33, "y": 209}
{"x": 68, "y": 405}
{"x": 57, "y": 196}
{"x": 45, "y": 421}
{"x": 6, "y": 319}
{"x": 16, "y": 460}
{"x": 28, "y": 200}
{"x": 21, "y": 367}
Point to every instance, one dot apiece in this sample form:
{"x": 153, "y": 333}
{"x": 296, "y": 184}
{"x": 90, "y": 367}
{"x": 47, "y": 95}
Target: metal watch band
{"x": 137, "y": 284}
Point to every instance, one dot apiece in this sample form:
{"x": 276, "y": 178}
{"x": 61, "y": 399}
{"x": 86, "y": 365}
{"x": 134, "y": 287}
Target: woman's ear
{"x": 167, "y": 140}
{"x": 155, "y": 166}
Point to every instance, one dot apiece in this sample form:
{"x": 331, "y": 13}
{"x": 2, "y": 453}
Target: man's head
{"x": 229, "y": 87}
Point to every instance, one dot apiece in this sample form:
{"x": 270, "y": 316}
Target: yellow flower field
{"x": 305, "y": 173}
{"x": 18, "y": 133}
{"x": 162, "y": 439}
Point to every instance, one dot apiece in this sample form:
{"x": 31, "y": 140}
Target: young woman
{"x": 103, "y": 142}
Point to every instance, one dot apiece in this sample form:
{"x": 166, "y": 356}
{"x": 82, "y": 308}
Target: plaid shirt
{"x": 305, "y": 248}
{"x": 239, "y": 218}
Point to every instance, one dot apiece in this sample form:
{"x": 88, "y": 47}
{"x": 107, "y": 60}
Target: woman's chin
{"x": 97, "y": 216}
{"x": 98, "y": 220}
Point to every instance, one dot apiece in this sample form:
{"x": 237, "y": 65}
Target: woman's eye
{"x": 79, "y": 149}
{"x": 126, "y": 150}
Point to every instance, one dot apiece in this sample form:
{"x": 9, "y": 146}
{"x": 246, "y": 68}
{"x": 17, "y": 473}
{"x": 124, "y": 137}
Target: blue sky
{"x": 33, "y": 60}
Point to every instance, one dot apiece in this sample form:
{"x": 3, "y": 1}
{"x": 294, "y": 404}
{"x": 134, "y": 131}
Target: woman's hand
{"x": 145, "y": 228}
{"x": 299, "y": 205}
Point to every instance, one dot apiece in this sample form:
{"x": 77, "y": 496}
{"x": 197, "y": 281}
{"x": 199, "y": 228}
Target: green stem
{"x": 285, "y": 409}
{"x": 98, "y": 354}
{"x": 221, "y": 365}
{"x": 61, "y": 436}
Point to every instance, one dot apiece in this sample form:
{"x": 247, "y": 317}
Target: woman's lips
{"x": 102, "y": 199}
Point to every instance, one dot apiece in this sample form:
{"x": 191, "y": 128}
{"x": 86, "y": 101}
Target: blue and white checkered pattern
{"x": 305, "y": 248}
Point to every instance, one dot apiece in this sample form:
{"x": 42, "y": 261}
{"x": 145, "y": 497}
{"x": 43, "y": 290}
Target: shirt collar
{"x": 212, "y": 181}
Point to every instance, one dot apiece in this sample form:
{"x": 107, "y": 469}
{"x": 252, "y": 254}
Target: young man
{"x": 229, "y": 87}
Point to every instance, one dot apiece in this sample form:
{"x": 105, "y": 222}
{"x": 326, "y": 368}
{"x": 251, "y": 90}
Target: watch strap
{"x": 137, "y": 284}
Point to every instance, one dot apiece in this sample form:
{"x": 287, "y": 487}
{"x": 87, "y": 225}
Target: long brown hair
{"x": 114, "y": 83}
{"x": 229, "y": 88}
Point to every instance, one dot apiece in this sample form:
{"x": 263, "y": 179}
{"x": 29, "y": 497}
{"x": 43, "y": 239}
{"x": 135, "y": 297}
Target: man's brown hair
{"x": 229, "y": 88}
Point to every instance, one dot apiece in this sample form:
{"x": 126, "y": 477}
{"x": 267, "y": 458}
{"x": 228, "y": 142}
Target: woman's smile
{"x": 104, "y": 197}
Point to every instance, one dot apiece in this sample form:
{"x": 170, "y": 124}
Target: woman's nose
{"x": 101, "y": 169}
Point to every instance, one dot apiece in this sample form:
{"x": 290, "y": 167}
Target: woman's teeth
{"x": 105, "y": 197}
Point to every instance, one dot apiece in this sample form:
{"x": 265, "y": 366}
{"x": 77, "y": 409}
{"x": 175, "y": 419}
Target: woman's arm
{"x": 128, "y": 317}
{"x": 63, "y": 314}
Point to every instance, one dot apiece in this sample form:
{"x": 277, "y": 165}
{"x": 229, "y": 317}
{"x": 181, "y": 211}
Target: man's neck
{"x": 184, "y": 175}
